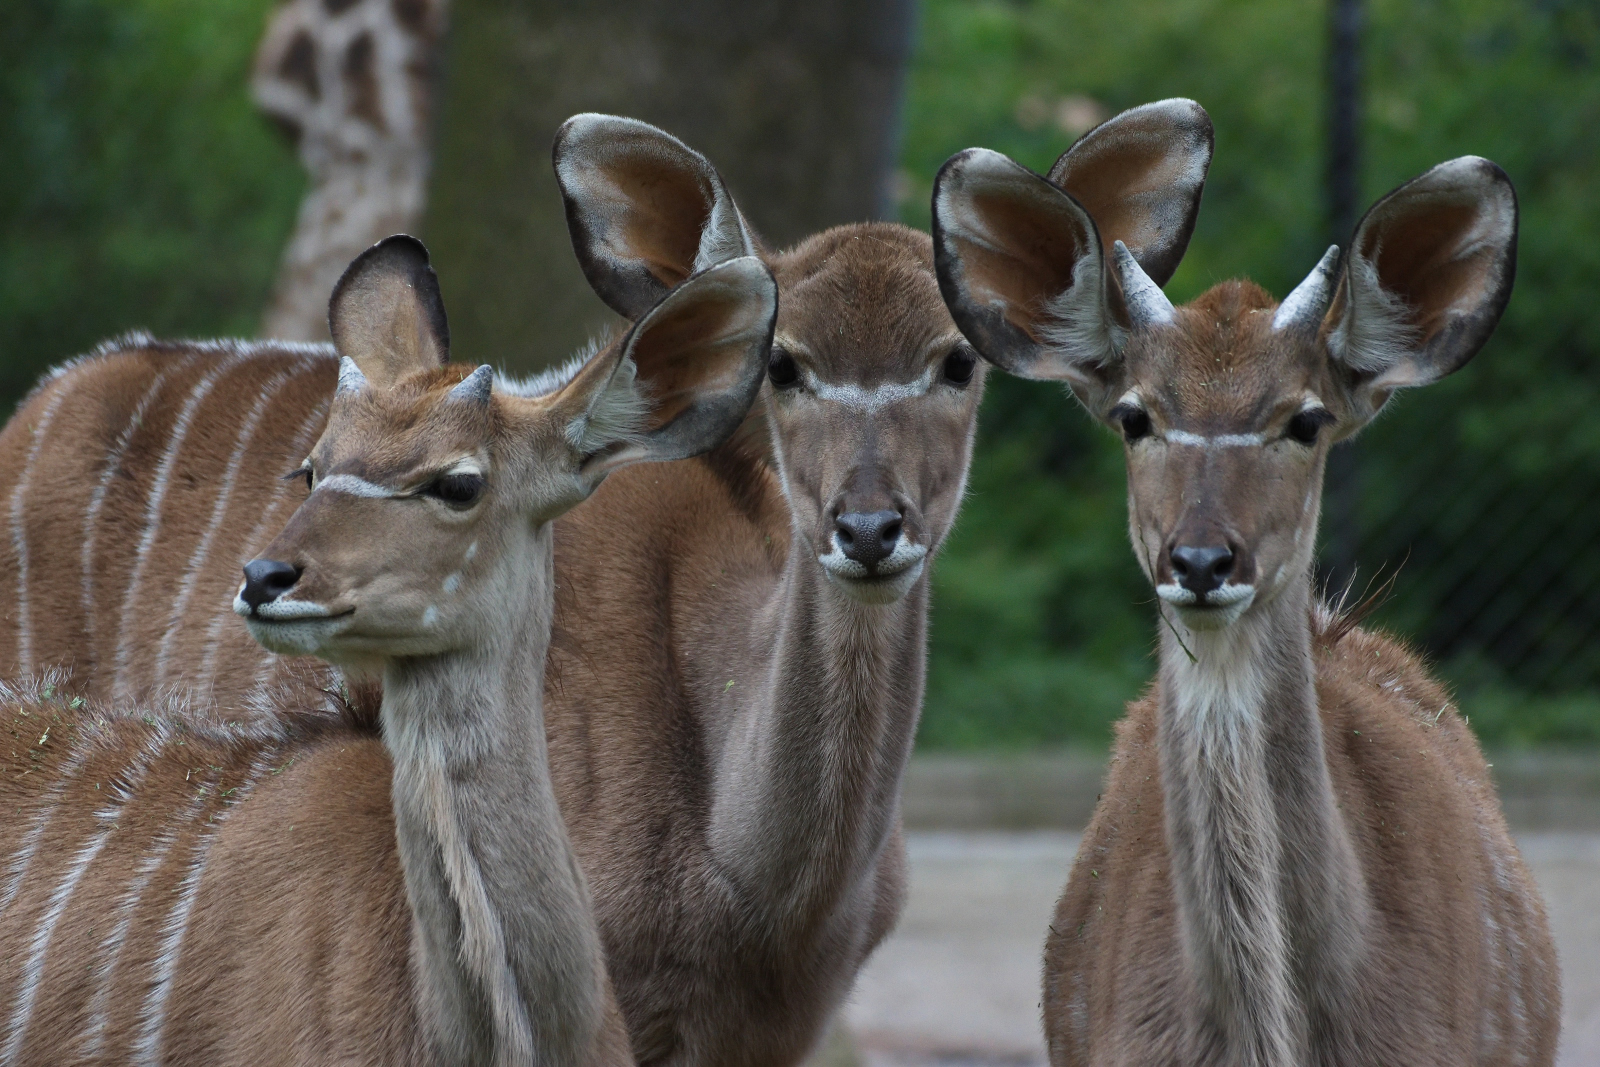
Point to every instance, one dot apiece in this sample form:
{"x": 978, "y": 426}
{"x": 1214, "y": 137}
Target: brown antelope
{"x": 1299, "y": 857}
{"x": 737, "y": 665}
{"x": 178, "y": 892}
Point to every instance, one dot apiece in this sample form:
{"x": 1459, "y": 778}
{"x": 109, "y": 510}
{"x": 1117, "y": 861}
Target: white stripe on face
{"x": 354, "y": 486}
{"x": 863, "y": 399}
{"x": 1225, "y": 440}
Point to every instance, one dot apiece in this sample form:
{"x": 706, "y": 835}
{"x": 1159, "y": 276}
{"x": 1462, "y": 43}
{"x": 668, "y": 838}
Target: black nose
{"x": 868, "y": 538}
{"x": 266, "y": 580}
{"x": 1201, "y": 570}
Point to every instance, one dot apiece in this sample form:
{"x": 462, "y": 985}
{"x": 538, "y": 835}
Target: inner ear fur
{"x": 386, "y": 313}
{"x": 1020, "y": 266}
{"x": 693, "y": 366}
{"x": 1140, "y": 176}
{"x": 1429, "y": 272}
{"x": 644, "y": 209}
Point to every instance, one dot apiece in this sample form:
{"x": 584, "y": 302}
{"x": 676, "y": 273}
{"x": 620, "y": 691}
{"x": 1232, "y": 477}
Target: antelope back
{"x": 143, "y": 850}
{"x": 136, "y": 481}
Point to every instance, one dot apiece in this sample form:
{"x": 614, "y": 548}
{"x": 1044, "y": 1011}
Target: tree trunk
{"x": 796, "y": 104}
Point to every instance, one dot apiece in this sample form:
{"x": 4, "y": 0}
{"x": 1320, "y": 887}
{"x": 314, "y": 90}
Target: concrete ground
{"x": 957, "y": 984}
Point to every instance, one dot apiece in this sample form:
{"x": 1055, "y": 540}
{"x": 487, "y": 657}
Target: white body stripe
{"x": 33, "y": 970}
{"x": 230, "y": 474}
{"x": 147, "y": 1048}
{"x": 30, "y": 842}
{"x": 91, "y": 515}
{"x": 152, "y": 517}
{"x": 19, "y": 536}
{"x": 300, "y": 445}
{"x": 111, "y": 948}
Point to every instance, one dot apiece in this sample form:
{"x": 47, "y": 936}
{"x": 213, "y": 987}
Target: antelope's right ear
{"x": 1140, "y": 176}
{"x": 386, "y": 314}
{"x": 1426, "y": 279}
{"x": 685, "y": 376}
{"x": 1020, "y": 265}
{"x": 645, "y": 210}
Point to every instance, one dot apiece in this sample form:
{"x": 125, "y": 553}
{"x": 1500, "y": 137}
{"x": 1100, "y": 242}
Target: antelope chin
{"x": 1217, "y": 610}
{"x": 890, "y": 580}
{"x": 292, "y": 627}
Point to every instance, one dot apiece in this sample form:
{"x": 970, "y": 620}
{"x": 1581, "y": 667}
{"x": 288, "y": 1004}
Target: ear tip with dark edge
{"x": 400, "y": 249}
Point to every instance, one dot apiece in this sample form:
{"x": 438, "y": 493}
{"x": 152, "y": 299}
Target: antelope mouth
{"x": 292, "y": 627}
{"x": 1214, "y": 610}
{"x": 882, "y": 583}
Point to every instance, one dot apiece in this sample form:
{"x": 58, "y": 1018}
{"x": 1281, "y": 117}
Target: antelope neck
{"x": 811, "y": 765}
{"x": 1271, "y": 901}
{"x": 505, "y": 940}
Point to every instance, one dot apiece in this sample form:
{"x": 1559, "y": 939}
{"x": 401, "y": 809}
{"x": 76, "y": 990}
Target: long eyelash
{"x": 298, "y": 472}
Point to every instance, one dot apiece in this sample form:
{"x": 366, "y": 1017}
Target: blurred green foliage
{"x": 1042, "y": 626}
{"x": 139, "y": 187}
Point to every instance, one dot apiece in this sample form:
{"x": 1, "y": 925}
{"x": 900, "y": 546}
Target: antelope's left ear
{"x": 1428, "y": 274}
{"x": 684, "y": 377}
{"x": 386, "y": 314}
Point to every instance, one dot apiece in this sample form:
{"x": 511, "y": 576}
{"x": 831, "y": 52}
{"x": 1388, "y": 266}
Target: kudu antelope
{"x": 738, "y": 662}
{"x": 1299, "y": 857}
{"x": 184, "y": 893}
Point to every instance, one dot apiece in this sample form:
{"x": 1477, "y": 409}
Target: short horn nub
{"x": 1147, "y": 305}
{"x": 351, "y": 380}
{"x": 476, "y": 386}
{"x": 1304, "y": 307}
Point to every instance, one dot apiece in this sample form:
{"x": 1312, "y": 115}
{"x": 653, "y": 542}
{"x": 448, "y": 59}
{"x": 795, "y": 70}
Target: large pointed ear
{"x": 1140, "y": 176}
{"x": 1020, "y": 266}
{"x": 684, "y": 377}
{"x": 1427, "y": 276}
{"x": 386, "y": 314}
{"x": 645, "y": 210}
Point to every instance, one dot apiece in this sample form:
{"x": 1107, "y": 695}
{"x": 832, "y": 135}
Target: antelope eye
{"x": 781, "y": 368}
{"x": 303, "y": 472}
{"x": 1305, "y": 425}
{"x": 1135, "y": 421}
{"x": 457, "y": 490}
{"x": 959, "y": 365}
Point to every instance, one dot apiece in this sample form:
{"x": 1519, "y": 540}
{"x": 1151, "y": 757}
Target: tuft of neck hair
{"x": 186, "y": 892}
{"x": 1298, "y": 856}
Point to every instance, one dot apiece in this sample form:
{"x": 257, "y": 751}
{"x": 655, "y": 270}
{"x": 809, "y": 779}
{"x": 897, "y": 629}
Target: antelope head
{"x": 1227, "y": 406}
{"x": 430, "y": 490}
{"x": 872, "y": 394}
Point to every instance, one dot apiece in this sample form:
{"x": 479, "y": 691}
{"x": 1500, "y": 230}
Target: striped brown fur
{"x": 175, "y": 891}
{"x": 728, "y": 723}
{"x": 136, "y": 482}
{"x": 299, "y": 890}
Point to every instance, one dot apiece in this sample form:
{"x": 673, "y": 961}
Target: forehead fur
{"x": 1223, "y": 365}
{"x": 380, "y": 432}
{"x": 864, "y": 301}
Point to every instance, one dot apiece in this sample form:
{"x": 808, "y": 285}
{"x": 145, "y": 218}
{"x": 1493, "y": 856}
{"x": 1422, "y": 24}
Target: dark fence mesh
{"x": 1496, "y": 566}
